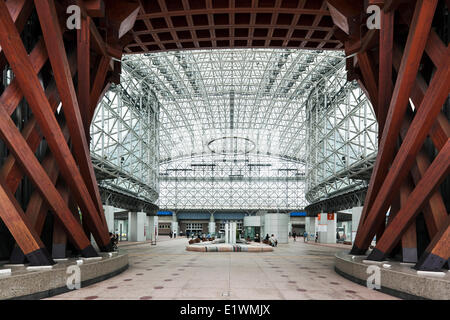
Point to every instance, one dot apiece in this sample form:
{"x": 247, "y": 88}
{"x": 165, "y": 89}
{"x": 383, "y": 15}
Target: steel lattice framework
{"x": 342, "y": 139}
{"x": 254, "y": 94}
{"x": 221, "y": 120}
{"x": 225, "y": 113}
{"x": 124, "y": 146}
{"x": 232, "y": 182}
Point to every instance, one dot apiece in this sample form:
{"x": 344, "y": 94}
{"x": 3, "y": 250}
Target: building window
{"x": 238, "y": 224}
{"x": 194, "y": 226}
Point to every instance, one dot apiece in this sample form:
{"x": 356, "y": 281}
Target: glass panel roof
{"x": 233, "y": 101}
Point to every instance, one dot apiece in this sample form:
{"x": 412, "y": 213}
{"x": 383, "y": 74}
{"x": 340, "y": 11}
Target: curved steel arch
{"x": 209, "y": 94}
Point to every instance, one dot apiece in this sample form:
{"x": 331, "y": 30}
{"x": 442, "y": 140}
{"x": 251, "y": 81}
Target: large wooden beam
{"x": 353, "y": 46}
{"x": 435, "y": 212}
{"x": 84, "y": 74}
{"x": 426, "y": 115}
{"x": 61, "y": 70}
{"x": 33, "y": 92}
{"x": 440, "y": 131}
{"x": 12, "y": 95}
{"x": 20, "y": 11}
{"x": 59, "y": 236}
{"x": 385, "y": 68}
{"x": 409, "y": 237}
{"x": 18, "y": 146}
{"x": 15, "y": 220}
{"x": 95, "y": 8}
{"x": 346, "y": 15}
{"x": 121, "y": 15}
{"x": 98, "y": 85}
{"x": 415, "y": 45}
{"x": 370, "y": 80}
{"x": 438, "y": 251}
{"x": 436, "y": 173}
{"x": 11, "y": 171}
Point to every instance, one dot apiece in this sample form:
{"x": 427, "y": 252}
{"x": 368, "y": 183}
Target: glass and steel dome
{"x": 248, "y": 99}
{"x": 235, "y": 128}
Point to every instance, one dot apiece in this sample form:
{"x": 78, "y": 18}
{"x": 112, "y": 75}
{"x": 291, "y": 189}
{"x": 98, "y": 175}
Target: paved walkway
{"x": 167, "y": 271}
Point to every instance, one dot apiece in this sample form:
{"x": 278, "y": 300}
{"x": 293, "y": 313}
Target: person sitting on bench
{"x": 273, "y": 241}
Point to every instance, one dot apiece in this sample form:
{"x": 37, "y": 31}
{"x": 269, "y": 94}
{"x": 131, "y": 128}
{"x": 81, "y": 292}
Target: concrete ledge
{"x": 398, "y": 280}
{"x": 23, "y": 284}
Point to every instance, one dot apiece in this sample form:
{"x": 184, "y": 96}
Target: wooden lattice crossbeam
{"x": 415, "y": 45}
{"x": 77, "y": 184}
{"x": 409, "y": 159}
{"x": 403, "y": 173}
{"x": 55, "y": 46}
{"x": 439, "y": 169}
{"x": 426, "y": 114}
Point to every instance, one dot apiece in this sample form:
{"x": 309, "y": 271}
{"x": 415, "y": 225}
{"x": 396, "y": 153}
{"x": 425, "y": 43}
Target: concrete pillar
{"x": 152, "y": 222}
{"x": 233, "y": 230}
{"x": 109, "y": 215}
{"x": 131, "y": 226}
{"x": 278, "y": 225}
{"x": 332, "y": 221}
{"x": 327, "y": 228}
{"x": 174, "y": 225}
{"x": 356, "y": 216}
{"x": 155, "y": 226}
{"x": 136, "y": 226}
{"x": 322, "y": 227}
{"x": 212, "y": 225}
{"x": 227, "y": 231}
{"x": 310, "y": 227}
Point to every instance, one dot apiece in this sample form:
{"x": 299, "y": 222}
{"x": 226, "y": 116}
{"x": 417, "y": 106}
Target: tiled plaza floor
{"x": 167, "y": 271}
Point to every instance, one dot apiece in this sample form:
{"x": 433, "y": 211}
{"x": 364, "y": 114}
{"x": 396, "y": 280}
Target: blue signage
{"x": 164, "y": 213}
{"x": 298, "y": 214}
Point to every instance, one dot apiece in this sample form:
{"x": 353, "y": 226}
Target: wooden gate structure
{"x": 60, "y": 75}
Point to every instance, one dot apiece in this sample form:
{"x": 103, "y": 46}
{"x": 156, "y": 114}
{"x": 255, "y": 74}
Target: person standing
{"x": 294, "y": 235}
{"x": 305, "y": 236}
